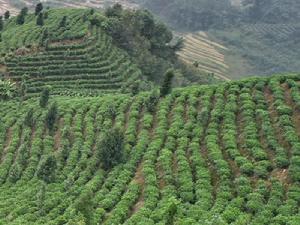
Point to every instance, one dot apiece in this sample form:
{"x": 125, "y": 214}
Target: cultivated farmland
{"x": 226, "y": 154}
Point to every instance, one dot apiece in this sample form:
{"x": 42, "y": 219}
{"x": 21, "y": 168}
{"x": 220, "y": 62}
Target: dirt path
{"x": 291, "y": 104}
{"x": 140, "y": 180}
{"x": 3, "y": 68}
{"x": 139, "y": 175}
{"x": 274, "y": 117}
{"x": 262, "y": 136}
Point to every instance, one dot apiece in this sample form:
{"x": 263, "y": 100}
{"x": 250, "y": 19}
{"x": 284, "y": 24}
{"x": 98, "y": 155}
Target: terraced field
{"x": 208, "y": 54}
{"x": 91, "y": 63}
{"x": 30, "y": 35}
{"x": 225, "y": 154}
{"x": 74, "y": 59}
{"x": 278, "y": 31}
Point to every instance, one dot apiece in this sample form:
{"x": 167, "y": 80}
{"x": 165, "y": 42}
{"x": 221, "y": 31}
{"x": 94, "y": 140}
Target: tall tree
{"x": 46, "y": 168}
{"x": 21, "y": 16}
{"x": 44, "y": 97}
{"x": 1, "y": 23}
{"x": 111, "y": 148}
{"x": 51, "y": 116}
{"x": 63, "y": 22}
{"x": 40, "y": 20}
{"x": 6, "y": 15}
{"x": 38, "y": 8}
{"x": 166, "y": 87}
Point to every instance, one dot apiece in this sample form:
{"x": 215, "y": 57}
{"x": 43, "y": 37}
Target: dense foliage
{"x": 148, "y": 41}
{"x": 223, "y": 154}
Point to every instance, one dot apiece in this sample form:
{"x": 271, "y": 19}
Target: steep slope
{"x": 225, "y": 154}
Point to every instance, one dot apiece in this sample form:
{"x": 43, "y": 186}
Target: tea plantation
{"x": 223, "y": 154}
{"x": 86, "y": 139}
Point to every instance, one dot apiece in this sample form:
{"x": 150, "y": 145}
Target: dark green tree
{"x": 38, "y": 8}
{"x": 29, "y": 119}
{"x": 166, "y": 86}
{"x": 44, "y": 98}
{"x": 1, "y": 23}
{"x": 52, "y": 116}
{"x": 63, "y": 22}
{"x": 46, "y": 168}
{"x": 40, "y": 20}
{"x": 6, "y": 15}
{"x": 114, "y": 11}
{"x": 152, "y": 101}
{"x": 111, "y": 148}
{"x": 21, "y": 16}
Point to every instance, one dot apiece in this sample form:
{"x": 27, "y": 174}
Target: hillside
{"x": 226, "y": 154}
{"x": 260, "y": 37}
{"x": 101, "y": 52}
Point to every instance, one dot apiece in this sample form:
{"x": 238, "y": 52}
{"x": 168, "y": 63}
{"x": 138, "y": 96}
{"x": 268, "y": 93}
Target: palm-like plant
{"x": 7, "y": 89}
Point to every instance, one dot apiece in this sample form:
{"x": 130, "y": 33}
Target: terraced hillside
{"x": 226, "y": 154}
{"x": 30, "y": 35}
{"x": 75, "y": 58}
{"x": 91, "y": 63}
{"x": 209, "y": 55}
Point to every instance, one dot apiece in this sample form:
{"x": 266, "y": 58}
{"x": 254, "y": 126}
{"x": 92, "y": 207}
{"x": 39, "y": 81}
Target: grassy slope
{"x": 226, "y": 153}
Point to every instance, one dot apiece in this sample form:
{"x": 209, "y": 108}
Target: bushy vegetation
{"x": 223, "y": 154}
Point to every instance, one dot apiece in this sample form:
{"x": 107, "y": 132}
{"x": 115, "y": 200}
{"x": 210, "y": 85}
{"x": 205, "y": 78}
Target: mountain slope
{"x": 226, "y": 154}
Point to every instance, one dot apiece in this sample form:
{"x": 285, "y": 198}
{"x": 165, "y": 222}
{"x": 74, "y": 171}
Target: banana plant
{"x": 7, "y": 89}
